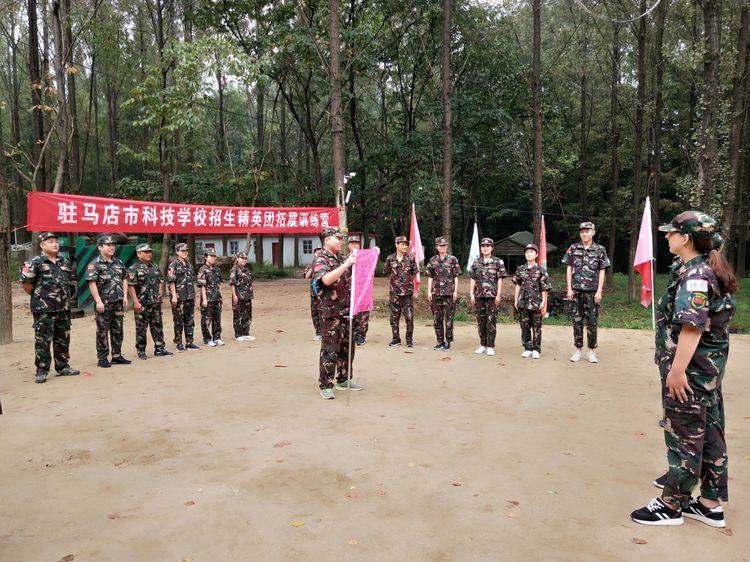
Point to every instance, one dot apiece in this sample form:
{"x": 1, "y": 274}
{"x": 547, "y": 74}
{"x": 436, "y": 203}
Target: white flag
{"x": 474, "y": 251}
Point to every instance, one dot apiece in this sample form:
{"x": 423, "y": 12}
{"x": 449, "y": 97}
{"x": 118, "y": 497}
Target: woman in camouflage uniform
{"x": 530, "y": 301}
{"x": 485, "y": 292}
{"x": 692, "y": 346}
{"x": 241, "y": 283}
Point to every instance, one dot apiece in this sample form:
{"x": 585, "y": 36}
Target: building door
{"x": 277, "y": 254}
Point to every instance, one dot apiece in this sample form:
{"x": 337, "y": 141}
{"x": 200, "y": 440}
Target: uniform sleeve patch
{"x": 696, "y": 286}
{"x": 91, "y": 267}
{"x": 698, "y": 300}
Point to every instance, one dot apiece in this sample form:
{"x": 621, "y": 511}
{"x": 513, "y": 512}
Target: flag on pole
{"x": 415, "y": 246}
{"x": 474, "y": 250}
{"x": 362, "y": 280}
{"x": 542, "y": 257}
{"x": 644, "y": 254}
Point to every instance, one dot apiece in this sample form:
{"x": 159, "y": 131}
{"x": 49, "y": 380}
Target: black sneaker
{"x": 142, "y": 355}
{"x": 162, "y": 353}
{"x": 394, "y": 342}
{"x": 661, "y": 481}
{"x": 410, "y": 344}
{"x": 360, "y": 340}
{"x": 446, "y": 346}
{"x": 180, "y": 347}
{"x": 103, "y": 363}
{"x": 120, "y": 360}
{"x": 439, "y": 347}
{"x": 713, "y": 517}
{"x": 40, "y": 377}
{"x": 657, "y": 513}
{"x": 68, "y": 371}
{"x": 191, "y": 346}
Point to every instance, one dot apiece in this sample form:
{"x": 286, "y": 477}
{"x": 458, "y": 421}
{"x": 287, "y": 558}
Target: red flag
{"x": 542, "y": 257}
{"x": 415, "y": 246}
{"x": 644, "y": 253}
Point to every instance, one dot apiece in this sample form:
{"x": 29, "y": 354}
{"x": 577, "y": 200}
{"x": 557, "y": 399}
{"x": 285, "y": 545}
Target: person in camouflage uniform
{"x": 241, "y": 284}
{"x": 532, "y": 284}
{"x": 314, "y": 297}
{"x": 485, "y": 291}
{"x": 108, "y": 283}
{"x": 145, "y": 283}
{"x": 332, "y": 275}
{"x": 586, "y": 261}
{"x": 361, "y": 320}
{"x": 181, "y": 283}
{"x": 50, "y": 281}
{"x": 401, "y": 269}
{"x": 442, "y": 272}
{"x": 692, "y": 347}
{"x": 209, "y": 280}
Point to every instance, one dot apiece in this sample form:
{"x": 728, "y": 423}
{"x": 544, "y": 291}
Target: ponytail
{"x": 725, "y": 275}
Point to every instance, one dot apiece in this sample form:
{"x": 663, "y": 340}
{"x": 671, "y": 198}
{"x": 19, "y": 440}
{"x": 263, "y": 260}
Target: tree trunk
{"x": 656, "y": 120}
{"x": 744, "y": 193}
{"x": 445, "y": 78}
{"x": 37, "y": 118}
{"x": 6, "y": 303}
{"x": 337, "y": 120}
{"x": 110, "y": 93}
{"x": 707, "y": 159}
{"x": 75, "y": 150}
{"x": 283, "y": 150}
{"x": 166, "y": 180}
{"x": 221, "y": 141}
{"x": 582, "y": 150}
{"x": 536, "y": 107}
{"x": 63, "y": 126}
{"x": 614, "y": 146}
{"x": 48, "y": 97}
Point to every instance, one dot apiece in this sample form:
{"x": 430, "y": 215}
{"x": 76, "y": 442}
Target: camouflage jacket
{"x": 183, "y": 277}
{"x": 146, "y": 279}
{"x": 334, "y": 298}
{"x": 443, "y": 273}
{"x": 108, "y": 276}
{"x": 53, "y": 282}
{"x": 533, "y": 281}
{"x": 693, "y": 297}
{"x": 586, "y": 264}
{"x": 486, "y": 276}
{"x": 401, "y": 274}
{"x": 242, "y": 279}
{"x": 210, "y": 278}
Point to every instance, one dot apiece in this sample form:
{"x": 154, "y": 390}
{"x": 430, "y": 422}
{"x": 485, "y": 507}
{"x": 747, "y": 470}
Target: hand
{"x": 455, "y": 296}
{"x": 137, "y": 306}
{"x": 234, "y": 299}
{"x": 100, "y": 306}
{"x": 498, "y": 300}
{"x": 429, "y": 297}
{"x": 598, "y": 297}
{"x": 174, "y": 300}
{"x": 351, "y": 259}
{"x": 569, "y": 294}
{"x": 125, "y": 302}
{"x": 204, "y": 303}
{"x": 677, "y": 386}
{"x": 471, "y": 298}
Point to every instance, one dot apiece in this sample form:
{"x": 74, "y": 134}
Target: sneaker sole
{"x": 661, "y": 522}
{"x": 327, "y": 397}
{"x": 705, "y": 520}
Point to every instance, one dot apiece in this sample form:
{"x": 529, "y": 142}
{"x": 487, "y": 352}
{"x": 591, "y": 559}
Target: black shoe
{"x": 439, "y": 347}
{"x": 120, "y": 360}
{"x": 191, "y": 346}
{"x": 360, "y": 340}
{"x": 395, "y": 342}
{"x": 657, "y": 513}
{"x": 142, "y": 355}
{"x": 40, "y": 377}
{"x": 409, "y": 344}
{"x": 68, "y": 371}
{"x": 661, "y": 481}
{"x": 162, "y": 353}
{"x": 446, "y": 346}
{"x": 103, "y": 363}
{"x": 180, "y": 347}
{"x": 713, "y": 517}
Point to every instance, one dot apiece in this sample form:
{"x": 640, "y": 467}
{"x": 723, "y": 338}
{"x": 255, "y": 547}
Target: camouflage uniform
{"x": 586, "y": 264}
{"x": 360, "y": 325}
{"x": 210, "y": 278}
{"x": 108, "y": 276}
{"x": 533, "y": 281}
{"x": 486, "y": 276}
{"x": 400, "y": 298}
{"x": 314, "y": 301}
{"x": 242, "y": 310}
{"x": 443, "y": 307}
{"x": 183, "y": 277}
{"x": 146, "y": 279}
{"x": 53, "y": 284}
{"x": 335, "y": 350}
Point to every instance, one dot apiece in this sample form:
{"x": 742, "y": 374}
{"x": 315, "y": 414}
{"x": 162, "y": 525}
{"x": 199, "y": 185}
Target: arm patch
{"x": 696, "y": 285}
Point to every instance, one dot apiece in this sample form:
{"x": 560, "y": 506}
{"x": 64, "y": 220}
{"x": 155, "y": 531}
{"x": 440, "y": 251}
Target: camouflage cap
{"x": 105, "y": 239}
{"x": 531, "y": 247}
{"x": 694, "y": 223}
{"x": 400, "y": 239}
{"x": 331, "y": 231}
{"x": 143, "y": 248}
{"x": 241, "y": 255}
{"x": 209, "y": 252}
{"x": 181, "y": 247}
{"x": 45, "y": 235}
{"x": 586, "y": 224}
{"x": 317, "y": 249}
{"x": 487, "y": 242}
{"x": 440, "y": 241}
{"x": 354, "y": 239}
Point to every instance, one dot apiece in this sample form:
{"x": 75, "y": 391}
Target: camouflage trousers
{"x": 584, "y": 308}
{"x": 109, "y": 329}
{"x": 361, "y": 324}
{"x": 531, "y": 329}
{"x": 317, "y": 318}
{"x": 51, "y": 328}
{"x": 211, "y": 321}
{"x": 242, "y": 315}
{"x": 335, "y": 351}
{"x": 696, "y": 449}
{"x": 443, "y": 309}
{"x": 486, "y": 320}
{"x": 182, "y": 314}
{"x": 399, "y": 305}
{"x": 149, "y": 318}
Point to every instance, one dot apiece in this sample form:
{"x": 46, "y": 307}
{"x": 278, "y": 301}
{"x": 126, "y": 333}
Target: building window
{"x": 307, "y": 247}
{"x": 198, "y": 248}
{"x": 234, "y": 247}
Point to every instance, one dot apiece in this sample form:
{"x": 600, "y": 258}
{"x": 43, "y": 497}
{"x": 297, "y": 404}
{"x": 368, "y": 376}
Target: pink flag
{"x": 644, "y": 253}
{"x": 542, "y": 257}
{"x": 415, "y": 246}
{"x": 363, "y": 277}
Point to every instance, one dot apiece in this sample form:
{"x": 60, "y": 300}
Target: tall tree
{"x": 6, "y": 303}
{"x": 37, "y": 107}
{"x": 337, "y": 120}
{"x": 658, "y": 107}
{"x": 614, "y": 144}
{"x": 445, "y": 78}
{"x": 536, "y": 108}
{"x": 708, "y": 158}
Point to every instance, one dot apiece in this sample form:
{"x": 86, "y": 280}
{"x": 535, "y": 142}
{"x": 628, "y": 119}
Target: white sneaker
{"x": 490, "y": 351}
{"x": 576, "y": 357}
{"x": 535, "y": 355}
{"x": 593, "y": 358}
{"x": 317, "y": 337}
{"x": 481, "y": 349}
{"x": 218, "y": 342}
{"x": 526, "y": 354}
{"x": 240, "y": 338}
{"x": 212, "y": 343}
{"x": 249, "y": 338}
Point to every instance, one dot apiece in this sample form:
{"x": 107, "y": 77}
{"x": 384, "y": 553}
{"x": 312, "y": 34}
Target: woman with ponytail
{"x": 692, "y": 346}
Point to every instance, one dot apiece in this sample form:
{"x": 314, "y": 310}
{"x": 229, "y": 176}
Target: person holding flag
{"x": 443, "y": 271}
{"x": 401, "y": 269}
{"x": 485, "y": 291}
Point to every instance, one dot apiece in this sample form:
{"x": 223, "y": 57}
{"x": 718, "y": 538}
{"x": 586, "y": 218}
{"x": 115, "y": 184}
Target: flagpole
{"x": 653, "y": 295}
{"x": 351, "y": 333}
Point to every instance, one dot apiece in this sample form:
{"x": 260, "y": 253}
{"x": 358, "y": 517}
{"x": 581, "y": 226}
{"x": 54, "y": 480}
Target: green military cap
{"x": 400, "y": 239}
{"x": 487, "y": 242}
{"x": 586, "y": 224}
{"x": 143, "y": 248}
{"x": 241, "y": 255}
{"x": 105, "y": 239}
{"x": 181, "y": 247}
{"x": 209, "y": 252}
{"x": 317, "y": 248}
{"x": 354, "y": 239}
{"x": 531, "y": 247}
{"x": 694, "y": 223}
{"x": 440, "y": 240}
{"x": 45, "y": 235}
{"x": 331, "y": 231}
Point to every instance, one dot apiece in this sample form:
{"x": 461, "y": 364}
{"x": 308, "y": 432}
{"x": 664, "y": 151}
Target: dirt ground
{"x": 230, "y": 453}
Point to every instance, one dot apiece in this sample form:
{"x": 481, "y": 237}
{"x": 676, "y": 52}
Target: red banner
{"x": 59, "y": 212}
